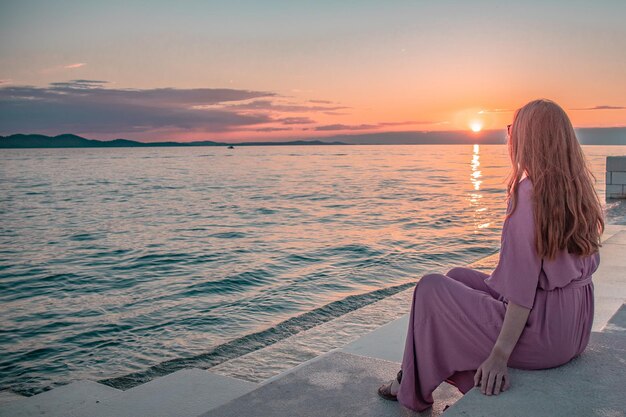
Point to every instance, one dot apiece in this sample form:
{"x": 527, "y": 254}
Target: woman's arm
{"x": 515, "y": 319}
{"x": 492, "y": 375}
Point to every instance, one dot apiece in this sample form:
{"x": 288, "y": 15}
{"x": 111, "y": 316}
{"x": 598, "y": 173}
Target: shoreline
{"x": 271, "y": 361}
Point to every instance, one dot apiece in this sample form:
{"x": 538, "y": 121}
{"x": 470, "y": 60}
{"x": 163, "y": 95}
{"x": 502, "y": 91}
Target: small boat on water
{"x": 231, "y": 147}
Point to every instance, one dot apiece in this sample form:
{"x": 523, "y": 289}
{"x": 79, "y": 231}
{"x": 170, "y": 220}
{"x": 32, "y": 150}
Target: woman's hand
{"x": 492, "y": 375}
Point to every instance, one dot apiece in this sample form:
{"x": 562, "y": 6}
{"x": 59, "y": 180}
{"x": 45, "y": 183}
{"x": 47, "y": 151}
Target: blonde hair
{"x": 567, "y": 211}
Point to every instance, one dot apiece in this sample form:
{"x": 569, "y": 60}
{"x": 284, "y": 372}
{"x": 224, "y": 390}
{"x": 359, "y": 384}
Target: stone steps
{"x": 341, "y": 383}
{"x": 332, "y": 385}
{"x": 7, "y": 396}
{"x": 185, "y": 393}
{"x": 586, "y": 386}
{"x": 59, "y": 401}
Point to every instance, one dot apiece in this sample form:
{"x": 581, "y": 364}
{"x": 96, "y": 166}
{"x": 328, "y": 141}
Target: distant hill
{"x": 74, "y": 141}
{"x": 586, "y": 136}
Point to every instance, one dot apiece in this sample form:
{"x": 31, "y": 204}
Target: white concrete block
{"x": 613, "y": 190}
{"x": 609, "y": 281}
{"x": 616, "y": 163}
{"x": 185, "y": 393}
{"x": 618, "y": 177}
{"x": 59, "y": 401}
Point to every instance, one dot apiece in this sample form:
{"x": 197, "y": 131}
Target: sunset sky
{"x": 277, "y": 70}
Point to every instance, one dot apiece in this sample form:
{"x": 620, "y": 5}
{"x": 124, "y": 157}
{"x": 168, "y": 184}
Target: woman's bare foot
{"x": 390, "y": 390}
{"x": 395, "y": 387}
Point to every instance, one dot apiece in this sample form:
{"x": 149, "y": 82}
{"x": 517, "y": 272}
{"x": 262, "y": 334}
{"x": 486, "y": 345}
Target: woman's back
{"x": 565, "y": 267}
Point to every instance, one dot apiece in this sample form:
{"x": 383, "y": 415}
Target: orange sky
{"x": 328, "y": 68}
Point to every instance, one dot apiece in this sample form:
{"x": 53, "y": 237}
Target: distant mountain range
{"x": 74, "y": 141}
{"x": 586, "y": 136}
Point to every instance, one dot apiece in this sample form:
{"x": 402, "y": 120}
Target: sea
{"x": 114, "y": 261}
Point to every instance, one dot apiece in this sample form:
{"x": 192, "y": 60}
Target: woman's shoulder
{"x": 525, "y": 190}
{"x": 525, "y": 184}
{"x": 524, "y": 193}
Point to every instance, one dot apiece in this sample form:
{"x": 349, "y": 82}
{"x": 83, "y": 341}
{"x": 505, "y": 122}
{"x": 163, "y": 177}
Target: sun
{"x": 476, "y": 126}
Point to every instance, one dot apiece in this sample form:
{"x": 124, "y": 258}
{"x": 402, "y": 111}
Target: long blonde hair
{"x": 567, "y": 210}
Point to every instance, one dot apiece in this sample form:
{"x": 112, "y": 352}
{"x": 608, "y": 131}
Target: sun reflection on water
{"x": 476, "y": 173}
{"x": 476, "y": 196}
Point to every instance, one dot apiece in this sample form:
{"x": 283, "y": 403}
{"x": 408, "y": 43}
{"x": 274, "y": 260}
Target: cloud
{"x": 603, "y": 107}
{"x": 80, "y": 84}
{"x": 61, "y": 68}
{"x": 369, "y": 126}
{"x": 344, "y": 127}
{"x": 271, "y": 129}
{"x": 86, "y": 106}
{"x": 283, "y": 107}
{"x": 77, "y": 65}
{"x": 296, "y": 120}
{"x": 320, "y": 102}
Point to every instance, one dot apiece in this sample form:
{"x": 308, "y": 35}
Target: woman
{"x": 535, "y": 310}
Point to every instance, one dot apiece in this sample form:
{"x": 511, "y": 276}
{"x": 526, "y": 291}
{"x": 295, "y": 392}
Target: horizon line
{"x": 311, "y": 138}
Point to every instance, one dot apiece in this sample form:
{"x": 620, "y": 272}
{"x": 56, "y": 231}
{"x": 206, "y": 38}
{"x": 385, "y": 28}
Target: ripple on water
{"x": 237, "y": 283}
{"x": 228, "y": 235}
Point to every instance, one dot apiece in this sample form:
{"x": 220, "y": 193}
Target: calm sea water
{"x": 114, "y": 261}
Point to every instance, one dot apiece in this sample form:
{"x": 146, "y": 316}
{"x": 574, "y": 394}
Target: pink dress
{"x": 456, "y": 318}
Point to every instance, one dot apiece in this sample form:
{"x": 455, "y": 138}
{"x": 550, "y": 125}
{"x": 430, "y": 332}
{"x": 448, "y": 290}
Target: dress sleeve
{"x": 517, "y": 275}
